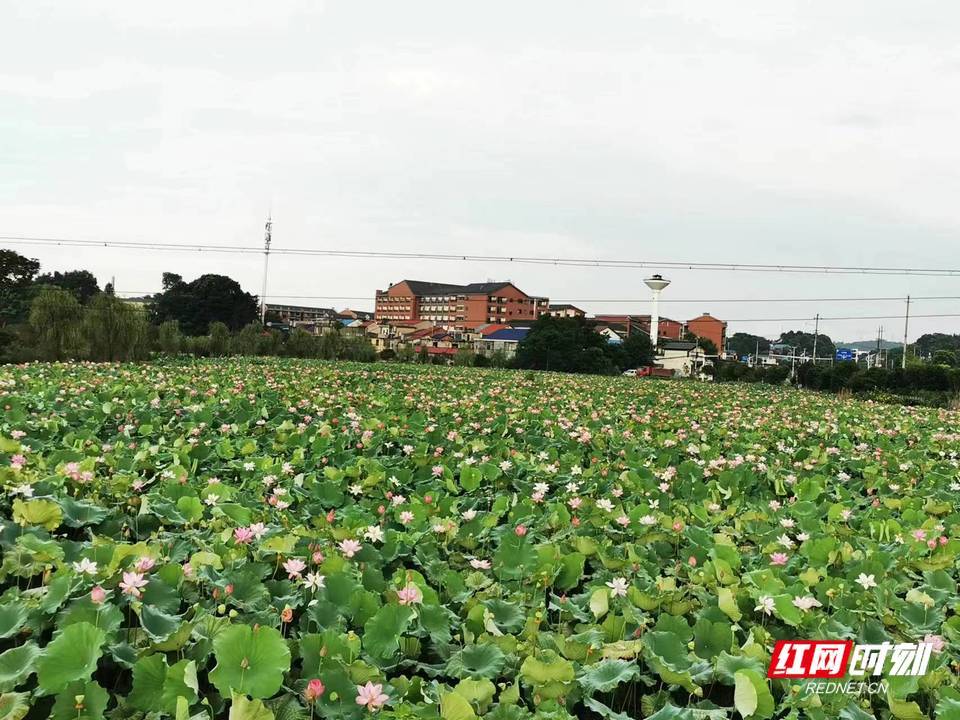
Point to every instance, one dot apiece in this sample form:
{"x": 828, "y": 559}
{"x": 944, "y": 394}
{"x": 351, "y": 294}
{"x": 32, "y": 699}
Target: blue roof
{"x": 508, "y": 334}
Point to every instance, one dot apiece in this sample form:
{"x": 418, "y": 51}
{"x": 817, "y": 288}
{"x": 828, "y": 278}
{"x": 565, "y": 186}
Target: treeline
{"x": 920, "y": 383}
{"x": 108, "y": 329}
{"x": 66, "y": 316}
{"x": 850, "y": 376}
{"x": 731, "y": 371}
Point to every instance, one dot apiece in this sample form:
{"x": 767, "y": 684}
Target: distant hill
{"x": 867, "y": 344}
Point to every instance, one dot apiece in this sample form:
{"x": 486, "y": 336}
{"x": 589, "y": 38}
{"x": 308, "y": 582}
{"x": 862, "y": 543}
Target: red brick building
{"x": 457, "y": 305}
{"x": 709, "y": 328}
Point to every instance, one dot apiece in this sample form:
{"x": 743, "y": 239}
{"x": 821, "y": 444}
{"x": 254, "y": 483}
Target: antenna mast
{"x": 266, "y": 259}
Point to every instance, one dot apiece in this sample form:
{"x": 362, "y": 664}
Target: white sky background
{"x": 766, "y": 131}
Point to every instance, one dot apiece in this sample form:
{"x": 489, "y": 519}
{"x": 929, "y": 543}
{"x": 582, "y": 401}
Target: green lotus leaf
{"x": 158, "y": 624}
{"x": 72, "y": 656}
{"x": 44, "y": 513}
{"x": 751, "y": 696}
{"x": 16, "y": 665}
{"x": 603, "y": 711}
{"x": 157, "y": 686}
{"x": 12, "y": 617}
{"x": 477, "y": 661}
{"x": 80, "y": 701}
{"x": 479, "y": 692}
{"x": 78, "y": 513}
{"x": 244, "y": 708}
{"x": 605, "y": 675}
{"x": 14, "y": 706}
{"x": 381, "y": 633}
{"x": 728, "y": 665}
{"x": 550, "y": 674}
{"x": 712, "y": 638}
{"x": 454, "y": 706}
{"x": 250, "y": 661}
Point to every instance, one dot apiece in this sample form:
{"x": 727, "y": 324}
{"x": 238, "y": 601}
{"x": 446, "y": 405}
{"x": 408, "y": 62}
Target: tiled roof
{"x": 420, "y": 288}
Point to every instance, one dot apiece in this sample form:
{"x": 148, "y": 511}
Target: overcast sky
{"x": 767, "y": 131}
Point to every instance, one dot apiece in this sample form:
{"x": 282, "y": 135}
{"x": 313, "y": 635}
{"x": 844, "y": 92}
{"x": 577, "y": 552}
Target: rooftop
{"x": 421, "y": 287}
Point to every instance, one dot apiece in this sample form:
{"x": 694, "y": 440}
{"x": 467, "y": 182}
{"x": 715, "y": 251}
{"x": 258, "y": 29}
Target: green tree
{"x": 206, "y": 300}
{"x": 464, "y": 357}
{"x": 113, "y": 329}
{"x": 16, "y": 277}
{"x": 742, "y": 343}
{"x": 250, "y": 340}
{"x": 566, "y": 345}
{"x": 80, "y": 283}
{"x": 55, "y": 318}
{"x": 169, "y": 337}
{"x": 406, "y": 354}
{"x": 707, "y": 345}
{"x": 803, "y": 342}
{"x": 301, "y": 344}
{"x": 637, "y": 351}
{"x": 219, "y": 339}
{"x": 945, "y": 357}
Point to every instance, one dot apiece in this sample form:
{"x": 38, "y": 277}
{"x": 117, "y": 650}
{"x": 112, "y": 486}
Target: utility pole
{"x": 906, "y": 325}
{"x": 266, "y": 259}
{"x": 816, "y": 336}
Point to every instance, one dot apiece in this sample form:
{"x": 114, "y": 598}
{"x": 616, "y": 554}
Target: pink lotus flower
{"x": 243, "y": 536}
{"x": 313, "y": 690}
{"x": 294, "y": 566}
{"x": 372, "y": 696}
{"x": 919, "y": 534}
{"x": 18, "y": 461}
{"x": 349, "y": 548}
{"x": 779, "y": 558}
{"x": 406, "y": 517}
{"x": 520, "y": 530}
{"x": 144, "y": 564}
{"x": 98, "y": 595}
{"x": 937, "y": 643}
{"x": 131, "y": 584}
{"x": 409, "y": 595}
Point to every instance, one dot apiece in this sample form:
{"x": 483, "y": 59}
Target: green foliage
{"x": 208, "y": 299}
{"x": 16, "y": 275}
{"x": 475, "y": 543}
{"x": 80, "y": 283}
{"x": 169, "y": 338}
{"x": 565, "y": 345}
{"x": 114, "y": 329}
{"x": 55, "y": 317}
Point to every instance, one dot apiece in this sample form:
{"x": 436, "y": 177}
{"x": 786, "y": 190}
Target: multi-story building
{"x": 295, "y": 314}
{"x": 709, "y": 328}
{"x": 564, "y": 310}
{"x": 410, "y": 301}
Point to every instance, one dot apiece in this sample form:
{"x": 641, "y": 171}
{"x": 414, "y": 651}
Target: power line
{"x": 561, "y": 300}
{"x": 567, "y": 262}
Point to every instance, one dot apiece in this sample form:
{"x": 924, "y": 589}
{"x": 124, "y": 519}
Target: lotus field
{"x": 284, "y": 539}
